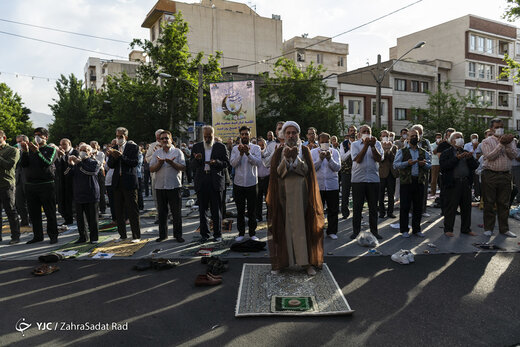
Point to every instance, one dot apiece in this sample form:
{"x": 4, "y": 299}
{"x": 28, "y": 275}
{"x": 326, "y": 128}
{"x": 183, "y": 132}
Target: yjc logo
{"x": 21, "y": 326}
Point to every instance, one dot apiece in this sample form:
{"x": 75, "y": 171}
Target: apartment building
{"x": 403, "y": 88}
{"x": 476, "y": 47}
{"x": 97, "y": 70}
{"x": 244, "y": 37}
{"x": 319, "y": 50}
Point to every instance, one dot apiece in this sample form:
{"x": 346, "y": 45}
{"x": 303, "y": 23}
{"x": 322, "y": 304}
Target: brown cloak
{"x": 314, "y": 218}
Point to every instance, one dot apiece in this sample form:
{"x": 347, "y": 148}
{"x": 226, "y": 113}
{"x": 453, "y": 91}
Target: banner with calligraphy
{"x": 232, "y": 106}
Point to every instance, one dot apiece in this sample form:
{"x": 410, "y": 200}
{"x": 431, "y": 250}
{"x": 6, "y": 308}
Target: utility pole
{"x": 201, "y": 97}
{"x": 379, "y": 80}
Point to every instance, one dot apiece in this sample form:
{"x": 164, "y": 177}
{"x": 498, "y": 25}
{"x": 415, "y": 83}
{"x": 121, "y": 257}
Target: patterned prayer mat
{"x": 292, "y": 293}
{"x": 81, "y": 248}
{"x": 104, "y": 227}
{"x": 120, "y": 249}
{"x": 7, "y": 230}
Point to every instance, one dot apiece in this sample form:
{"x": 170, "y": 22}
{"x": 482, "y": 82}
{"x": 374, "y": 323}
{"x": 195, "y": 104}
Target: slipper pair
{"x": 216, "y": 267}
{"x": 207, "y": 280}
{"x": 50, "y": 258}
{"x": 43, "y": 270}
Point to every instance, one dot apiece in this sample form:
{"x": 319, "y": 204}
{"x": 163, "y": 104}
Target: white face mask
{"x": 438, "y": 140}
{"x": 364, "y": 136}
{"x": 459, "y": 142}
{"x": 499, "y": 131}
{"x": 385, "y": 139}
{"x": 405, "y": 136}
{"x": 474, "y": 140}
{"x": 82, "y": 155}
{"x": 324, "y": 146}
{"x": 121, "y": 141}
{"x": 392, "y": 139}
{"x": 38, "y": 139}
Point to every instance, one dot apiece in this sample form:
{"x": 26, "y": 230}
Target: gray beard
{"x": 208, "y": 146}
{"x": 291, "y": 143}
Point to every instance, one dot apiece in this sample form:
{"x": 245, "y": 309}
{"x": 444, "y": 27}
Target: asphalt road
{"x": 441, "y": 300}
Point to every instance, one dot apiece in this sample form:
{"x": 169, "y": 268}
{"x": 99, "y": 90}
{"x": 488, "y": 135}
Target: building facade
{"x": 97, "y": 70}
{"x": 244, "y": 37}
{"x": 476, "y": 47}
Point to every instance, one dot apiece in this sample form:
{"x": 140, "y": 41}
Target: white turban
{"x": 290, "y": 124}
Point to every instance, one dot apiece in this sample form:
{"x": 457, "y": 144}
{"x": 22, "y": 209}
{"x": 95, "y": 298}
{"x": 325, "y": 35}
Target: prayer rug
{"x": 120, "y": 249}
{"x": 81, "y": 248}
{"x": 7, "y": 230}
{"x": 149, "y": 214}
{"x": 216, "y": 248}
{"x": 104, "y": 227}
{"x": 291, "y": 293}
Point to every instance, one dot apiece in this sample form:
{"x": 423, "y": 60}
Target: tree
{"x": 14, "y": 116}
{"x": 451, "y": 110}
{"x": 298, "y": 95}
{"x": 512, "y": 11}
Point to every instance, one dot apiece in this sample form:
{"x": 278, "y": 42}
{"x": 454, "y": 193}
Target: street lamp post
{"x": 381, "y": 74}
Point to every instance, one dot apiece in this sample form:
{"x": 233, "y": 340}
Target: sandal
{"x": 50, "y": 258}
{"x": 43, "y": 270}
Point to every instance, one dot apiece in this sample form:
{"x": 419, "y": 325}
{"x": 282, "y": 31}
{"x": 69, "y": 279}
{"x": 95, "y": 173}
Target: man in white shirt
{"x": 168, "y": 164}
{"x": 272, "y": 145}
{"x": 100, "y": 157}
{"x": 327, "y": 164}
{"x": 263, "y": 179}
{"x": 245, "y": 159}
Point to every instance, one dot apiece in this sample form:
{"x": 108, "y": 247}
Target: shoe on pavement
{"x": 420, "y": 234}
{"x": 239, "y": 238}
{"x": 254, "y": 238}
{"x": 179, "y": 239}
{"x": 488, "y": 233}
{"x": 53, "y": 240}
{"x": 136, "y": 240}
{"x": 14, "y": 241}
{"x": 391, "y": 215}
{"x": 509, "y": 234}
{"x": 426, "y": 214}
{"x": 94, "y": 242}
{"x": 311, "y": 271}
{"x": 333, "y": 236}
{"x": 120, "y": 239}
{"x": 160, "y": 239}
{"x": 409, "y": 255}
{"x": 217, "y": 239}
{"x": 400, "y": 257}
{"x": 34, "y": 241}
{"x": 406, "y": 234}
{"x": 353, "y": 236}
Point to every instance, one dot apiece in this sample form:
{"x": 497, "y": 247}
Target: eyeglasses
{"x": 164, "y": 138}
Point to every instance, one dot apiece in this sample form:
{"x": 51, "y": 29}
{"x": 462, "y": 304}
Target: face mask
{"x": 18, "y": 146}
{"x": 405, "y": 136}
{"x": 324, "y": 146}
{"x": 414, "y": 141}
{"x": 189, "y": 146}
{"x": 82, "y": 155}
{"x": 459, "y": 142}
{"x": 392, "y": 139}
{"x": 364, "y": 136}
{"x": 438, "y": 140}
{"x": 385, "y": 139}
{"x": 474, "y": 141}
{"x": 121, "y": 141}
{"x": 38, "y": 139}
{"x": 499, "y": 131}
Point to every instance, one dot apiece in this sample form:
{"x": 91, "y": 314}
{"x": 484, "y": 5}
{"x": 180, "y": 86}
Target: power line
{"x": 62, "y": 31}
{"x": 25, "y": 75}
{"x": 340, "y": 34}
{"x": 61, "y": 45}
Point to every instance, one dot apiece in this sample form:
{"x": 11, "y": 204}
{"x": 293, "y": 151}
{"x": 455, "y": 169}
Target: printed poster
{"x": 233, "y": 106}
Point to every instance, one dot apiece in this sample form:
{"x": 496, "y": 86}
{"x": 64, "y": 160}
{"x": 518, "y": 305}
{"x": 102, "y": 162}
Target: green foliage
{"x": 451, "y": 110}
{"x": 512, "y": 11}
{"x": 299, "y": 95}
{"x": 14, "y": 117}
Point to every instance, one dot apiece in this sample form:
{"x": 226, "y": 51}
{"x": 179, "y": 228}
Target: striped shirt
{"x": 497, "y": 157}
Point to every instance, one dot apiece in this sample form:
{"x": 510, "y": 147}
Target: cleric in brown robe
{"x": 295, "y": 210}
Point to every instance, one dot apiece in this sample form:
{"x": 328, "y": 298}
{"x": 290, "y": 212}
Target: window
{"x": 103, "y": 71}
{"x": 471, "y": 69}
{"x": 503, "y": 99}
{"x": 517, "y": 49}
{"x": 414, "y": 86}
{"x": 300, "y": 56}
{"x": 480, "y": 70}
{"x": 503, "y": 47}
{"x": 500, "y": 71}
{"x": 517, "y": 100}
{"x": 319, "y": 58}
{"x": 480, "y": 44}
{"x": 518, "y": 124}
{"x": 400, "y": 114}
{"x": 489, "y": 46}
{"x": 472, "y": 42}
{"x": 153, "y": 33}
{"x": 354, "y": 107}
{"x": 424, "y": 87}
{"x": 489, "y": 97}
{"x": 400, "y": 84}
{"x": 489, "y": 72}
{"x": 341, "y": 61}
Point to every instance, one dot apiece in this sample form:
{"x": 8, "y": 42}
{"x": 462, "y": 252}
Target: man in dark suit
{"x": 64, "y": 182}
{"x": 123, "y": 158}
{"x": 387, "y": 176}
{"x": 21, "y": 201}
{"x": 209, "y": 159}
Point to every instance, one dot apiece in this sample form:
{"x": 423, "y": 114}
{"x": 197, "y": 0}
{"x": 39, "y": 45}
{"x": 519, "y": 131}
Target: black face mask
{"x": 414, "y": 141}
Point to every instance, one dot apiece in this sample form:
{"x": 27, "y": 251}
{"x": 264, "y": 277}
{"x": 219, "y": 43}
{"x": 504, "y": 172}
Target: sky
{"x": 21, "y": 58}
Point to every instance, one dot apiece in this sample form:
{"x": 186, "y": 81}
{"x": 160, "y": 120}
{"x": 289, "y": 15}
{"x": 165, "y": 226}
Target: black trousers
{"x": 345, "y": 193}
{"x": 411, "y": 195}
{"x": 111, "y": 204}
{"x": 140, "y": 201}
{"x": 42, "y": 196}
{"x": 330, "y": 198}
{"x": 146, "y": 181}
{"x": 386, "y": 184}
{"x": 87, "y": 213}
{"x": 263, "y": 185}
{"x": 209, "y": 197}
{"x": 126, "y": 201}
{"x": 21, "y": 203}
{"x": 66, "y": 202}
{"x": 172, "y": 198}
{"x": 360, "y": 192}
{"x": 243, "y": 196}
{"x": 459, "y": 195}
{"x": 7, "y": 199}
{"x": 102, "y": 191}
{"x": 223, "y": 202}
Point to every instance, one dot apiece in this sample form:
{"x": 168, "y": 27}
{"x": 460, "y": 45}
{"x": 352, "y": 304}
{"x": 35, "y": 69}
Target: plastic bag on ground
{"x": 366, "y": 239}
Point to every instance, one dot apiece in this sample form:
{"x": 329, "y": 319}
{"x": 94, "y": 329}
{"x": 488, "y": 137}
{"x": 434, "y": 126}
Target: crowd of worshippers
{"x": 298, "y": 179}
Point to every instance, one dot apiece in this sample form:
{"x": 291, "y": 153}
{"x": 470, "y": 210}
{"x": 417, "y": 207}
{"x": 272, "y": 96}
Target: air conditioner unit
{"x": 300, "y": 56}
